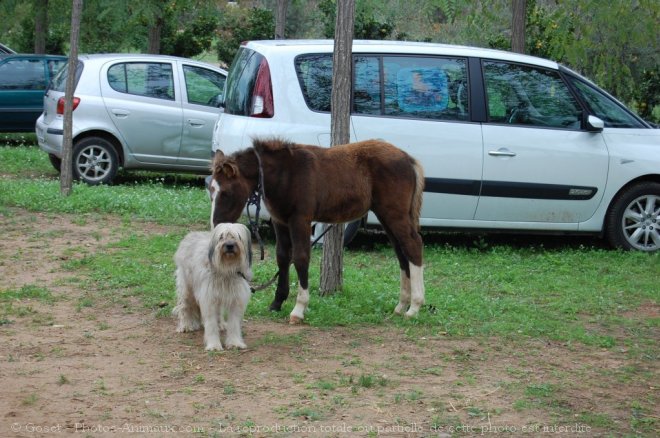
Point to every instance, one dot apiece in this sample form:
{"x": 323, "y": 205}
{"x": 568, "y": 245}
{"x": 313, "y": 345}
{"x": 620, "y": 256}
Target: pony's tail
{"x": 418, "y": 193}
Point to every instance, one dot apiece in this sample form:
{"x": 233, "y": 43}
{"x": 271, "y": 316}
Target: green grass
{"x": 568, "y": 292}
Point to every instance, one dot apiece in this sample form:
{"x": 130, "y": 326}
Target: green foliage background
{"x": 613, "y": 42}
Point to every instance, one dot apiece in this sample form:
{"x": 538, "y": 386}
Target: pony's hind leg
{"x": 408, "y": 246}
{"x": 300, "y": 238}
{"x": 404, "y": 296}
{"x": 417, "y": 289}
{"x": 283, "y": 254}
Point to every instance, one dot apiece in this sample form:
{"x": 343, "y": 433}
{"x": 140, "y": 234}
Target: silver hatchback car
{"x": 134, "y": 111}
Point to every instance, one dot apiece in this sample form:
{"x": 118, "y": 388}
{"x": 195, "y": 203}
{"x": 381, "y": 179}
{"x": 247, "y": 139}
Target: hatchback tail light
{"x": 60, "y": 104}
{"x": 262, "y": 94}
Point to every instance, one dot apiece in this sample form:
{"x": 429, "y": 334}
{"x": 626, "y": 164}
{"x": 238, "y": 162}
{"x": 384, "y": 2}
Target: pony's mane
{"x": 273, "y": 144}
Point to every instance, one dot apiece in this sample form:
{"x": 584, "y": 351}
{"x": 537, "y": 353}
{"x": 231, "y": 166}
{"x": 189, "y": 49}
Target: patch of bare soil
{"x": 120, "y": 371}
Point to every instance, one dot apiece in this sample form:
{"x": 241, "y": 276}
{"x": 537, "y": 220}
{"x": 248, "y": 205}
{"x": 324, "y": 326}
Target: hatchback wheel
{"x": 95, "y": 161}
{"x": 633, "y": 222}
{"x": 55, "y": 161}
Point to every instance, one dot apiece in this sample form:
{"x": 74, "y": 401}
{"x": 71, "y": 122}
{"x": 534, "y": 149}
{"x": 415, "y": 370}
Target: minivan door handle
{"x": 196, "y": 122}
{"x": 120, "y": 113}
{"x": 502, "y": 152}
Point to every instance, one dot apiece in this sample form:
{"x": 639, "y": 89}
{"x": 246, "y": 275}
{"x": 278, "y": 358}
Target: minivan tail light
{"x": 60, "y": 104}
{"x": 262, "y": 94}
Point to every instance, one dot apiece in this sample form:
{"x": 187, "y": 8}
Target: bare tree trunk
{"x": 155, "y": 31}
{"x": 280, "y": 19}
{"x": 518, "y": 8}
{"x": 342, "y": 62}
{"x": 66, "y": 175}
{"x": 40, "y": 25}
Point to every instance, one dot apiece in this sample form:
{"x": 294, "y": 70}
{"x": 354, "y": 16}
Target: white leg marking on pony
{"x": 404, "y": 296}
{"x": 214, "y": 190}
{"x": 417, "y": 289}
{"x": 298, "y": 313}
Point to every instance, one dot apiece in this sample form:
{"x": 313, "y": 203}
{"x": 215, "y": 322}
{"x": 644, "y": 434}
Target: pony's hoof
{"x": 275, "y": 307}
{"x": 411, "y": 314}
{"x": 399, "y": 309}
{"x": 294, "y": 320}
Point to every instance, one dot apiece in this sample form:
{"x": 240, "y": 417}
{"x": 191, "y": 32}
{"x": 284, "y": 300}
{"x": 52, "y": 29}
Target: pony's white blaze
{"x": 404, "y": 297}
{"x": 417, "y": 289}
{"x": 298, "y": 312}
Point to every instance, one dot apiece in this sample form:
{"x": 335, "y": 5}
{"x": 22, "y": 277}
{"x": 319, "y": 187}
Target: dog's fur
{"x": 212, "y": 275}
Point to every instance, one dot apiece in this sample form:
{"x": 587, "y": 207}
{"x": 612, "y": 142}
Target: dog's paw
{"x": 183, "y": 328}
{"x": 236, "y": 344}
{"x": 214, "y": 346}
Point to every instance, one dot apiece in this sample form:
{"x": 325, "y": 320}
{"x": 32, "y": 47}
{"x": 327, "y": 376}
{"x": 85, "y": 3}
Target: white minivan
{"x": 508, "y": 141}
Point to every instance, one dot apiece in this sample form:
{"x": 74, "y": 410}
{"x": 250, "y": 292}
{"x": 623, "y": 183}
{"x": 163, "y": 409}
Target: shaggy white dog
{"x": 212, "y": 275}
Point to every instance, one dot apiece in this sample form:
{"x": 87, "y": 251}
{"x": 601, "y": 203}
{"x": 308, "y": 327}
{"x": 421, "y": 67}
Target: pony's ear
{"x": 230, "y": 169}
{"x": 224, "y": 165}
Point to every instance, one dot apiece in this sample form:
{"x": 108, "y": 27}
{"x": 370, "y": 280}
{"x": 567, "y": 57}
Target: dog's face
{"x": 231, "y": 248}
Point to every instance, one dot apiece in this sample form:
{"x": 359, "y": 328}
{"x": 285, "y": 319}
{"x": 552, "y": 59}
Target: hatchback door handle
{"x": 121, "y": 113}
{"x": 502, "y": 152}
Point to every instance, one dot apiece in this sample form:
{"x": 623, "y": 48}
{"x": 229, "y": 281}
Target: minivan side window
{"x": 398, "y": 86}
{"x": 604, "y": 107}
{"x": 315, "y": 77}
{"x": 143, "y": 79}
{"x": 530, "y": 96}
{"x": 425, "y": 87}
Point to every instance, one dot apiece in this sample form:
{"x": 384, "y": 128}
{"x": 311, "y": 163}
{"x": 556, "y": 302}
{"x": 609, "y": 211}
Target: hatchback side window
{"x": 204, "y": 87}
{"x": 143, "y": 79}
{"x": 603, "y": 107}
{"x": 522, "y": 95}
{"x": 22, "y": 74}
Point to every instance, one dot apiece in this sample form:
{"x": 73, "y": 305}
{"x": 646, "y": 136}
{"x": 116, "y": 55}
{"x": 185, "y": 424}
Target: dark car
{"x": 23, "y": 82}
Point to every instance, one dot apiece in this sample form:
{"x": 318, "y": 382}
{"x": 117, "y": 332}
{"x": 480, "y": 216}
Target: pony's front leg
{"x": 283, "y": 254}
{"x": 300, "y": 239}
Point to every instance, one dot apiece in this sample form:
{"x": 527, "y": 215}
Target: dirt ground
{"x": 120, "y": 370}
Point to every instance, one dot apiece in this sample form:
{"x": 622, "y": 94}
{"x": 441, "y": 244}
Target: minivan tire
{"x": 350, "y": 231}
{"x": 95, "y": 161}
{"x": 630, "y": 224}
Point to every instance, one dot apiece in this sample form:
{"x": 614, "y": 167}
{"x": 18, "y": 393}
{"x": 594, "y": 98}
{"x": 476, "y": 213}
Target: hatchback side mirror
{"x": 594, "y": 124}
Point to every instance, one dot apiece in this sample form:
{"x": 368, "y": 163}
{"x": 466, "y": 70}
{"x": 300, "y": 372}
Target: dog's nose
{"x": 229, "y": 247}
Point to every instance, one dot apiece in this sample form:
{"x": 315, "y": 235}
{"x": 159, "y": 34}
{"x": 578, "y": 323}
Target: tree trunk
{"x": 333, "y": 242}
{"x": 518, "y": 9}
{"x": 66, "y": 171}
{"x": 40, "y": 25}
{"x": 280, "y": 19}
{"x": 155, "y": 31}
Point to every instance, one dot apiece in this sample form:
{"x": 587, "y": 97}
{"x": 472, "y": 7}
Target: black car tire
{"x": 56, "y": 162}
{"x": 350, "y": 231}
{"x": 95, "y": 161}
{"x": 633, "y": 221}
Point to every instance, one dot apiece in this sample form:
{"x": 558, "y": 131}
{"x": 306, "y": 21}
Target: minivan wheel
{"x": 95, "y": 161}
{"x": 350, "y": 231}
{"x": 633, "y": 222}
{"x": 55, "y": 161}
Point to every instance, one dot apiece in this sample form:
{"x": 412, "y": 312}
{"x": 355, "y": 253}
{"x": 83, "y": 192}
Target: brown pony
{"x": 301, "y": 184}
